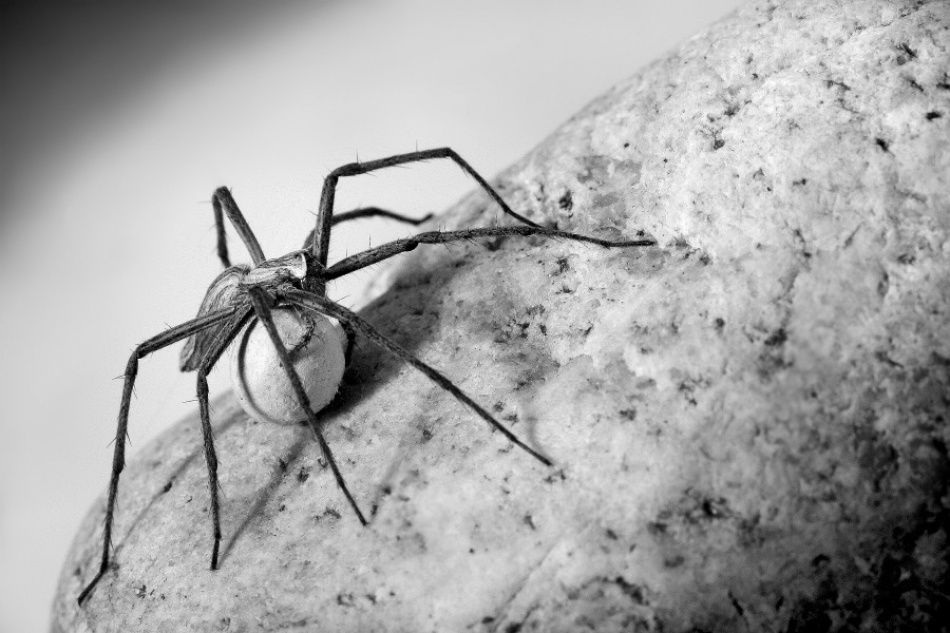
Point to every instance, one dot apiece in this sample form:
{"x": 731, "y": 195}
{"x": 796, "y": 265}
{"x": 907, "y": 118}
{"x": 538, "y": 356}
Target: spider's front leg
{"x": 166, "y": 338}
{"x": 223, "y": 203}
{"x": 321, "y": 305}
{"x": 262, "y": 303}
{"x": 222, "y": 340}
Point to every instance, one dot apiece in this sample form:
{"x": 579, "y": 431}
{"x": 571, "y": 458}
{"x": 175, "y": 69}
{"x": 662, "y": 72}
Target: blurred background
{"x": 117, "y": 121}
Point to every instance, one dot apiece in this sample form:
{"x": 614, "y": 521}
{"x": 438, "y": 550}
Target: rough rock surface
{"x": 749, "y": 422}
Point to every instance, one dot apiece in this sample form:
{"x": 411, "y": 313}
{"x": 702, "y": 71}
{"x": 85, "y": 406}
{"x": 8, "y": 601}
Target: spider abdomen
{"x": 316, "y": 345}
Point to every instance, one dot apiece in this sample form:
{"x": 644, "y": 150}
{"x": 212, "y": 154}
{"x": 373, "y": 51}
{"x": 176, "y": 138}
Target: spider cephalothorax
{"x": 229, "y": 291}
{"x": 316, "y": 344}
{"x": 293, "y": 342}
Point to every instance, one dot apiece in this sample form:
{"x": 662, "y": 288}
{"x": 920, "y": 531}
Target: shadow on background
{"x": 64, "y": 67}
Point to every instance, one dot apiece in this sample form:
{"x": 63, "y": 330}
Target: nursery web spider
{"x": 299, "y": 279}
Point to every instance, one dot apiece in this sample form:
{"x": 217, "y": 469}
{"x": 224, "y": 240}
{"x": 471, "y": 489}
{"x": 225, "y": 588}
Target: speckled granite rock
{"x": 749, "y": 422}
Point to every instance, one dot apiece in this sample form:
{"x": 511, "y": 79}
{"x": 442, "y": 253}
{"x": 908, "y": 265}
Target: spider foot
{"x": 92, "y": 585}
{"x": 214, "y": 554}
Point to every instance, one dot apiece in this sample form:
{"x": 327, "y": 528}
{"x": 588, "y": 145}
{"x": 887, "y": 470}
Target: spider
{"x": 243, "y": 296}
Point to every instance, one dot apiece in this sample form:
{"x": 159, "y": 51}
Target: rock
{"x": 749, "y": 422}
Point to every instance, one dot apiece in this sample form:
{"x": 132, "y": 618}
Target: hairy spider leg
{"x": 223, "y": 203}
{"x": 261, "y": 301}
{"x": 369, "y": 212}
{"x": 321, "y": 233}
{"x": 385, "y": 251}
{"x": 354, "y": 214}
{"x": 325, "y": 306}
{"x": 224, "y": 338}
{"x": 166, "y": 338}
{"x": 222, "y": 200}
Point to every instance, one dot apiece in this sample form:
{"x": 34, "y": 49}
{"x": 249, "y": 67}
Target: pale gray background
{"x": 116, "y": 123}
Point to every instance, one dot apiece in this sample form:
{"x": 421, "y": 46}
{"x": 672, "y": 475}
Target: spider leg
{"x": 321, "y": 234}
{"x": 369, "y": 212}
{"x": 223, "y": 203}
{"x": 221, "y": 342}
{"x": 385, "y": 251}
{"x": 155, "y": 343}
{"x": 260, "y": 300}
{"x": 330, "y": 308}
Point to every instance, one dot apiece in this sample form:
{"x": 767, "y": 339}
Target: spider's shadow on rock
{"x": 277, "y": 476}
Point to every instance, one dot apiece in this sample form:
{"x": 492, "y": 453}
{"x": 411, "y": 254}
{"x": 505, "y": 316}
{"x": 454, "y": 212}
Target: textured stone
{"x": 749, "y": 422}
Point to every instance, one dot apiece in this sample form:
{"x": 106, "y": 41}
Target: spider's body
{"x": 317, "y": 345}
{"x": 282, "y": 302}
{"x": 229, "y": 291}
